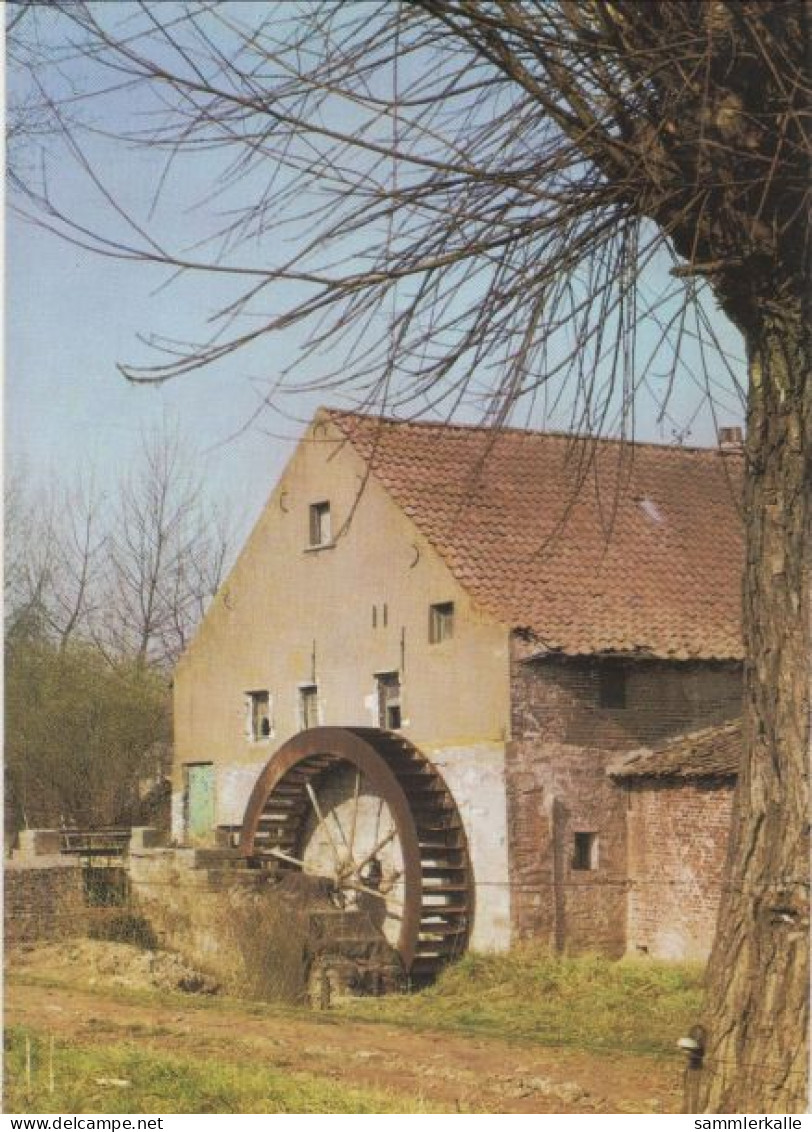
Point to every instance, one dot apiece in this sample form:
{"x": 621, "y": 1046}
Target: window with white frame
{"x": 308, "y": 706}
{"x": 441, "y": 622}
{"x": 258, "y": 715}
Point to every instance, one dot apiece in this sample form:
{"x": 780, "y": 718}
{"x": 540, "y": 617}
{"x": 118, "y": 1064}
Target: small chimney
{"x": 731, "y": 438}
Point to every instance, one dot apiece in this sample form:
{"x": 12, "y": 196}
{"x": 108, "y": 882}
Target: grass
{"x": 591, "y": 1003}
{"x": 637, "y": 1006}
{"x": 633, "y": 1007}
{"x": 88, "y": 1079}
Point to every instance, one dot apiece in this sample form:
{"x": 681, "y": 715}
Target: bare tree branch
{"x": 464, "y": 203}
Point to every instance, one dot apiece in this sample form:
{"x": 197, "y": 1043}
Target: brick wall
{"x": 43, "y": 903}
{"x": 678, "y": 833}
{"x": 562, "y": 741}
{"x": 58, "y": 898}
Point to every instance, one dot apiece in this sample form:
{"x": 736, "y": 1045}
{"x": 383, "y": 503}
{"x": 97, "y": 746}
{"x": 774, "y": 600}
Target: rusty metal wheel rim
{"x": 401, "y": 776}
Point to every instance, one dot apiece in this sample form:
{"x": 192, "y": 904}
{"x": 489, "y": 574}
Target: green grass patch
{"x": 591, "y": 1003}
{"x": 121, "y": 1077}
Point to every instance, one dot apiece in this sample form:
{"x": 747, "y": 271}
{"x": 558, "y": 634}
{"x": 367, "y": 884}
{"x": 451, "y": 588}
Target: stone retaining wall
{"x": 246, "y": 928}
{"x": 43, "y": 902}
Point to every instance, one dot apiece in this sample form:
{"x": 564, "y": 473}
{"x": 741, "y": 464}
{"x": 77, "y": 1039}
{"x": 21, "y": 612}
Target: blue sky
{"x": 72, "y": 316}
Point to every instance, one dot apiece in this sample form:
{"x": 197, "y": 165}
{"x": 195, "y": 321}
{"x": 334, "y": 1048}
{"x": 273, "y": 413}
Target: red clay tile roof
{"x": 591, "y": 546}
{"x": 714, "y": 752}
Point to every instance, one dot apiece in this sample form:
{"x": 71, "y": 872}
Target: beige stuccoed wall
{"x": 287, "y": 614}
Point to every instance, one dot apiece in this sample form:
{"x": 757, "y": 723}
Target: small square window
{"x": 612, "y": 687}
{"x": 585, "y": 851}
{"x": 389, "y": 717}
{"x": 441, "y": 622}
{"x": 320, "y": 528}
{"x": 259, "y": 715}
{"x": 308, "y": 706}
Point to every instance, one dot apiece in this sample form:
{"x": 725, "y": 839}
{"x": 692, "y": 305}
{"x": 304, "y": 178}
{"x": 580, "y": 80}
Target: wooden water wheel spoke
{"x": 385, "y": 896}
{"x": 339, "y": 826}
{"x": 315, "y": 802}
{"x": 280, "y": 856}
{"x": 336, "y": 802}
{"x": 355, "y": 799}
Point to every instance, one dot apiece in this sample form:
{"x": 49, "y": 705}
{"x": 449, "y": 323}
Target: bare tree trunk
{"x": 757, "y": 1009}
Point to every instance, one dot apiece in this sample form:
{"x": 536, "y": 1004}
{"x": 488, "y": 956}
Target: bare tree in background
{"x": 194, "y": 577}
{"x": 459, "y": 199}
{"x": 21, "y": 599}
{"x": 132, "y": 574}
{"x": 54, "y": 545}
{"x": 101, "y": 596}
{"x": 167, "y": 556}
{"x": 79, "y": 544}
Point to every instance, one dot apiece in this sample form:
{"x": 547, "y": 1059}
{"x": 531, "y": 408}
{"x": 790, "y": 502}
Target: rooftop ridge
{"x": 553, "y": 434}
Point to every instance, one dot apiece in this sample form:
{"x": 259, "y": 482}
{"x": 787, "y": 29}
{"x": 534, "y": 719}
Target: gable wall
{"x": 288, "y": 616}
{"x": 557, "y": 786}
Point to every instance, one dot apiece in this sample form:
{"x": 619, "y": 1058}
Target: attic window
{"x": 585, "y": 852}
{"x": 611, "y": 687}
{"x": 320, "y": 529}
{"x": 259, "y": 715}
{"x": 441, "y": 622}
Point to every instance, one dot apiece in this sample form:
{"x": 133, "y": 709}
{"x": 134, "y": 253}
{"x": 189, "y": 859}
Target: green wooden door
{"x": 199, "y": 801}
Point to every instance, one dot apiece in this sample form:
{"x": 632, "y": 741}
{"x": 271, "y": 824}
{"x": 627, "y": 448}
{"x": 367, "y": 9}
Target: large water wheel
{"x": 367, "y": 812}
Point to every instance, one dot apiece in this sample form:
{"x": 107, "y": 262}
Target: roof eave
{"x": 640, "y": 653}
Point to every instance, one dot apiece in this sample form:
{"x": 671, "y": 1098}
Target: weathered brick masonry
{"x": 42, "y": 903}
{"x": 562, "y": 742}
{"x": 677, "y": 844}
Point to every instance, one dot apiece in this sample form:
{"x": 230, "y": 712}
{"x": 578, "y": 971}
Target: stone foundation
{"x": 475, "y": 776}
{"x": 43, "y": 901}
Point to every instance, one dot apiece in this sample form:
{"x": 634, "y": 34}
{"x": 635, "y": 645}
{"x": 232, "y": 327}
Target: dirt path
{"x": 449, "y": 1069}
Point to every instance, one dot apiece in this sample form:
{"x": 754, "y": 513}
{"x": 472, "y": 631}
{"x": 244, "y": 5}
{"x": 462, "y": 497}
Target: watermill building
{"x": 432, "y": 661}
